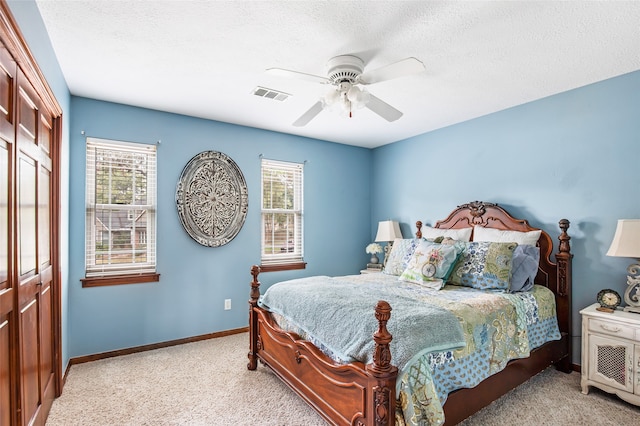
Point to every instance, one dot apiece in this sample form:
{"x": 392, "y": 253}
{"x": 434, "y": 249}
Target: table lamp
{"x": 626, "y": 243}
{"x": 388, "y": 230}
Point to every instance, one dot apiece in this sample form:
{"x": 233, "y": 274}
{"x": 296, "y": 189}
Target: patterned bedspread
{"x": 497, "y": 327}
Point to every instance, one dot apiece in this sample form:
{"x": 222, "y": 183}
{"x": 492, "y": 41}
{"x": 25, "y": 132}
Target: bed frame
{"x": 364, "y": 395}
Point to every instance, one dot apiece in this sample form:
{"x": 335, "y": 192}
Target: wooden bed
{"x": 358, "y": 394}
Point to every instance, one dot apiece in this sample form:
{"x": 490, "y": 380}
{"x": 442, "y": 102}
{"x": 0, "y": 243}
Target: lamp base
{"x": 387, "y": 250}
{"x": 632, "y": 293}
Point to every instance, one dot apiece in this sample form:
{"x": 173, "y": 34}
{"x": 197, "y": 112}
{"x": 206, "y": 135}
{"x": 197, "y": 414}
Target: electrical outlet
{"x": 227, "y": 304}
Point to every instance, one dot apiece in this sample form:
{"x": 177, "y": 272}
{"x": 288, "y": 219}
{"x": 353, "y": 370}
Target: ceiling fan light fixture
{"x": 345, "y": 98}
{"x": 358, "y": 97}
{"x": 346, "y": 106}
{"x": 331, "y": 99}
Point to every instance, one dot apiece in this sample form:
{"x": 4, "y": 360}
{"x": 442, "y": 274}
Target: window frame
{"x": 284, "y": 261}
{"x": 120, "y": 273}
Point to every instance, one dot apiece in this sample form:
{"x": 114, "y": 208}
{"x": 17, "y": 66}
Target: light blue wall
{"x": 573, "y": 155}
{"x": 28, "y": 17}
{"x": 195, "y": 280}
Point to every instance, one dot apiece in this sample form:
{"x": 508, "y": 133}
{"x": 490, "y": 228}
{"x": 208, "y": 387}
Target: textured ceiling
{"x": 205, "y": 58}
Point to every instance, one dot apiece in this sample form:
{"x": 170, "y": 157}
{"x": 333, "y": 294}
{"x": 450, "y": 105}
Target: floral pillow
{"x": 431, "y": 264}
{"x": 484, "y": 265}
{"x": 400, "y": 255}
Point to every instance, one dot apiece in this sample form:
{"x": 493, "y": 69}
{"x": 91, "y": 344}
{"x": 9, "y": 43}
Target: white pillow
{"x": 462, "y": 234}
{"x": 480, "y": 233}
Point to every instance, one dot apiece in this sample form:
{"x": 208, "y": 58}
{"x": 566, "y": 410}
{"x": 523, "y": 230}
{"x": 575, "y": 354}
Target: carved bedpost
{"x": 419, "y": 231}
{"x": 253, "y": 319}
{"x": 382, "y": 337}
{"x": 563, "y": 288}
{"x": 385, "y": 374}
{"x": 255, "y": 286}
{"x": 564, "y": 238}
{"x": 563, "y": 258}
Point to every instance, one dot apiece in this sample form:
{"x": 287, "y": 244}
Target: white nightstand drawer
{"x": 611, "y": 328}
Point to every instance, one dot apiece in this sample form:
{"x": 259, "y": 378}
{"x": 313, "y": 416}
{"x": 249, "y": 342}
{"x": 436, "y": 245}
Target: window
{"x": 120, "y": 224}
{"x": 282, "y": 216}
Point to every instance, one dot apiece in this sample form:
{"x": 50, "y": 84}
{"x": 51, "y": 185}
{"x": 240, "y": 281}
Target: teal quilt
{"x": 317, "y": 304}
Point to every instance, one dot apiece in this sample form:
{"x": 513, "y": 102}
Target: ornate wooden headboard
{"x": 554, "y": 275}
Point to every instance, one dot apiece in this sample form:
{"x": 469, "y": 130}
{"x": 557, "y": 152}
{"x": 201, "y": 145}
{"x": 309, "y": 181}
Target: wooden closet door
{"x": 7, "y": 293}
{"x": 30, "y": 305}
{"x": 34, "y": 266}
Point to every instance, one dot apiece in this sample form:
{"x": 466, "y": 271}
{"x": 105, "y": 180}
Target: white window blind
{"x": 282, "y": 212}
{"x": 120, "y": 228}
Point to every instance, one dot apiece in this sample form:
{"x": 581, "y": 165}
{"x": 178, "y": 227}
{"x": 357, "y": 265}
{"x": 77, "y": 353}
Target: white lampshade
{"x": 388, "y": 230}
{"x": 626, "y": 241}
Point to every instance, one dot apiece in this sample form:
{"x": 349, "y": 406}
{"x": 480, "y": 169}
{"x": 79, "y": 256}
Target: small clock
{"x": 609, "y": 299}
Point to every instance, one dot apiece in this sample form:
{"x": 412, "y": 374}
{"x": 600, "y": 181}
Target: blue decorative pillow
{"x": 524, "y": 267}
{"x": 400, "y": 255}
{"x": 431, "y": 264}
{"x": 484, "y": 265}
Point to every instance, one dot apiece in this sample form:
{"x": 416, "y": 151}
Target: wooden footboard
{"x": 349, "y": 394}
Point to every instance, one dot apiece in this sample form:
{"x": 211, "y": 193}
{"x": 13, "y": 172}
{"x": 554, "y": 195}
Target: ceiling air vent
{"x": 270, "y": 94}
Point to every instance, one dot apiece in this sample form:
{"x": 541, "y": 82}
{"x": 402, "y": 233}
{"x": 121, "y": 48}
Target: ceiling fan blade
{"x": 309, "y": 115}
{"x": 280, "y": 72}
{"x": 383, "y": 109}
{"x": 401, "y": 68}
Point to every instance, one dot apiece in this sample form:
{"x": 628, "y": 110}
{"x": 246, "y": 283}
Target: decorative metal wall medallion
{"x": 212, "y": 199}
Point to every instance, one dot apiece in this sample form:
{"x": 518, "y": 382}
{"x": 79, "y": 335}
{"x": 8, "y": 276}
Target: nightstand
{"x": 371, "y": 271}
{"x": 611, "y": 353}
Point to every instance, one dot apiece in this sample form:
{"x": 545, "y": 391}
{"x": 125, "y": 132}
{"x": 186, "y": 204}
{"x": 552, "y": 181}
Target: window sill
{"x": 283, "y": 267}
{"x": 119, "y": 280}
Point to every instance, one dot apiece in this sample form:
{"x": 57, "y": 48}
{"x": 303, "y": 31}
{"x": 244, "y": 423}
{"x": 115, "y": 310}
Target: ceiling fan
{"x": 345, "y": 73}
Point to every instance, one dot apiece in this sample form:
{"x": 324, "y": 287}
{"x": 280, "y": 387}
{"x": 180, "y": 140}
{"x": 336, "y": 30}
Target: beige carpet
{"x": 207, "y": 383}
